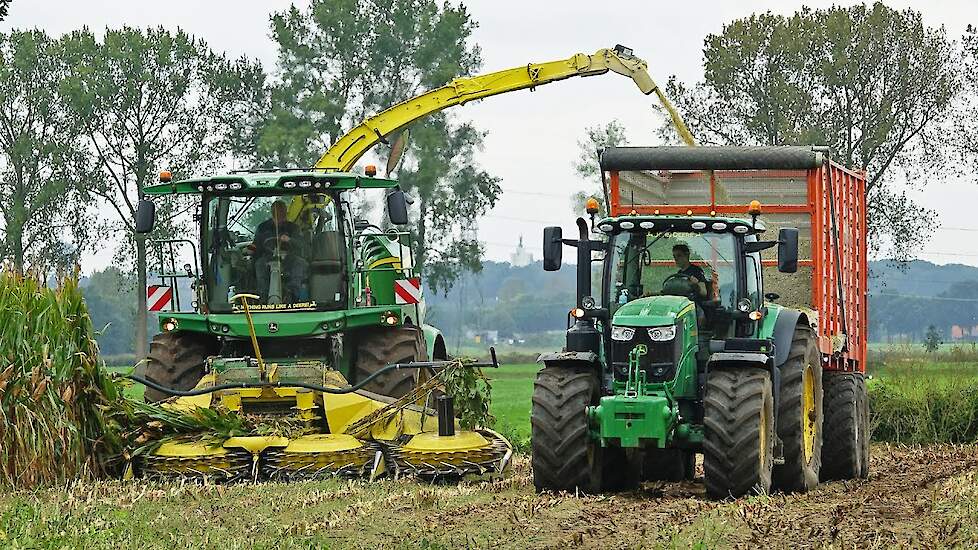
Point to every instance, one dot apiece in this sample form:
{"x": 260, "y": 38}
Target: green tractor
{"x": 682, "y": 352}
{"x": 303, "y": 310}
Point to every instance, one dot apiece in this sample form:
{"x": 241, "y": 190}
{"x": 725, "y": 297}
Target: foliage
{"x": 871, "y": 82}
{"x": 152, "y": 100}
{"x": 586, "y": 166}
{"x": 472, "y": 392}
{"x": 340, "y": 61}
{"x": 42, "y": 161}
{"x": 55, "y": 398}
{"x": 932, "y": 340}
{"x": 921, "y": 404}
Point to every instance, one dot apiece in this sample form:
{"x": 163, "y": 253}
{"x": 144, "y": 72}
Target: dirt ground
{"x": 920, "y": 497}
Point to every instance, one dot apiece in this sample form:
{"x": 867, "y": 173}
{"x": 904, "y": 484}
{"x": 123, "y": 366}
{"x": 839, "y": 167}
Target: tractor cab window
{"x": 699, "y": 266}
{"x": 287, "y": 249}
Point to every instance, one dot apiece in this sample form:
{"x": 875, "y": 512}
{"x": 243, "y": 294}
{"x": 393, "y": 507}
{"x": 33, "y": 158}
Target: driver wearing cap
{"x": 693, "y": 273}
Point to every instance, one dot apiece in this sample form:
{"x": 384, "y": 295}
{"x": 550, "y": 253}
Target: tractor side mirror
{"x": 788, "y": 250}
{"x": 397, "y": 207}
{"x": 145, "y": 216}
{"x": 552, "y": 248}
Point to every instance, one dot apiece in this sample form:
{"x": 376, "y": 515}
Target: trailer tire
{"x": 377, "y": 348}
{"x": 846, "y": 427}
{"x": 564, "y": 457}
{"x": 800, "y": 416}
{"x": 738, "y": 442}
{"x": 176, "y": 360}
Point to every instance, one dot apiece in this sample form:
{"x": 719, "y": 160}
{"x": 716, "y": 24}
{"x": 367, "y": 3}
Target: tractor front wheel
{"x": 564, "y": 457}
{"x": 176, "y": 360}
{"x": 738, "y": 442}
{"x": 800, "y": 415}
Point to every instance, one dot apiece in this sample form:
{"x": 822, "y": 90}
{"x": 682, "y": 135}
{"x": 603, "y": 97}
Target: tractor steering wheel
{"x": 678, "y": 284}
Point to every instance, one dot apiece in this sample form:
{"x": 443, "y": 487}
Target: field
{"x": 916, "y": 496}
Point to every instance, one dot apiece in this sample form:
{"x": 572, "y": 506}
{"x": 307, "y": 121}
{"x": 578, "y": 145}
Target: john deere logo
{"x": 641, "y": 349}
{"x": 272, "y": 327}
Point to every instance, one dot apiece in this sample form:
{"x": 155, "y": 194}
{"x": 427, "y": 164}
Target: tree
{"x": 871, "y": 82}
{"x": 340, "y": 61}
{"x": 42, "y": 205}
{"x": 932, "y": 340}
{"x": 586, "y": 166}
{"x": 154, "y": 100}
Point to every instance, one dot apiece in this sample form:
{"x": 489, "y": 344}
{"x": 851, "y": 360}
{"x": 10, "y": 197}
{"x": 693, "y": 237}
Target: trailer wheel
{"x": 668, "y": 465}
{"x": 846, "y": 427}
{"x": 800, "y": 415}
{"x": 738, "y": 443}
{"x": 176, "y": 360}
{"x": 381, "y": 347}
{"x": 564, "y": 457}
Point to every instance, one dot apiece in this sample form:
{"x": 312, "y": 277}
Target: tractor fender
{"x": 434, "y": 343}
{"x": 568, "y": 357}
{"x": 784, "y": 332}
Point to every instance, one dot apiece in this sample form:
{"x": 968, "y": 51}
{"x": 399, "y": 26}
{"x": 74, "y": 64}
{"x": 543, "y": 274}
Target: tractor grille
{"x": 659, "y": 363}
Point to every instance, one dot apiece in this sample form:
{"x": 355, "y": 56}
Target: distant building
{"x": 521, "y": 258}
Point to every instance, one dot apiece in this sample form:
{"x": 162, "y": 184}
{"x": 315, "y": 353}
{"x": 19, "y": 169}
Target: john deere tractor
{"x": 306, "y": 314}
{"x": 679, "y": 351}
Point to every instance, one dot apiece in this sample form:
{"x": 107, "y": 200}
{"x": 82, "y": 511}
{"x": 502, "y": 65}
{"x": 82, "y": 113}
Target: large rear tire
{"x": 738, "y": 443}
{"x": 381, "y": 347}
{"x": 176, "y": 360}
{"x": 800, "y": 415}
{"x": 846, "y": 427}
{"x": 564, "y": 457}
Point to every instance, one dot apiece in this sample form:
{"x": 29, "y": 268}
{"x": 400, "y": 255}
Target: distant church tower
{"x": 521, "y": 257}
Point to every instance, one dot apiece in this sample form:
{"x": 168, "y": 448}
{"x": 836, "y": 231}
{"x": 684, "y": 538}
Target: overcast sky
{"x": 532, "y": 137}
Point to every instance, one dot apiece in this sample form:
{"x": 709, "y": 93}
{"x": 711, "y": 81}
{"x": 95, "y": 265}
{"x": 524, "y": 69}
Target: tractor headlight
{"x": 170, "y": 325}
{"x": 662, "y": 334}
{"x": 622, "y": 334}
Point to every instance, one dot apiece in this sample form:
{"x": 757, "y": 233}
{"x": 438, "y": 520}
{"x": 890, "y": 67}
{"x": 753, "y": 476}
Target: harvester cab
{"x": 681, "y": 350}
{"x": 310, "y": 317}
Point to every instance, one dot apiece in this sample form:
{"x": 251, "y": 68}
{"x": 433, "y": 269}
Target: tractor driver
{"x": 274, "y": 238}
{"x": 693, "y": 273}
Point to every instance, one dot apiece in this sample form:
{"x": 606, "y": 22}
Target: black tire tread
{"x": 560, "y": 440}
{"x": 733, "y": 402}
{"x": 379, "y": 348}
{"x": 175, "y": 360}
{"x": 845, "y": 410}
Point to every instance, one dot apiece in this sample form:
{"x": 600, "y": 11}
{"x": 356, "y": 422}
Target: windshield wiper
{"x": 655, "y": 240}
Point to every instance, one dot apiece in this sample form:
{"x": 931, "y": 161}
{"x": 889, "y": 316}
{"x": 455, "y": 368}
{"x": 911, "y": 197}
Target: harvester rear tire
{"x": 176, "y": 360}
{"x": 800, "y": 470}
{"x": 381, "y": 347}
{"x": 738, "y": 443}
{"x": 846, "y": 427}
{"x": 564, "y": 457}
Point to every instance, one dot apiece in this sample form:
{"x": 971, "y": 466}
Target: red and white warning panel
{"x": 158, "y": 297}
{"x": 407, "y": 291}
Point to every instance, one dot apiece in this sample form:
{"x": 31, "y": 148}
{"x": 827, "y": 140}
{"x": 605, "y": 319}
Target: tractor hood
{"x": 284, "y": 324}
{"x": 654, "y": 311}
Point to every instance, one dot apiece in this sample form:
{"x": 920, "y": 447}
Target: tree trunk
{"x": 141, "y": 314}
{"x": 15, "y": 241}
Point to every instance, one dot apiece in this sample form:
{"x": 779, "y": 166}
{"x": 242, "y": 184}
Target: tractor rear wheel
{"x": 378, "y": 348}
{"x": 668, "y": 465}
{"x": 738, "y": 443}
{"x": 846, "y": 427}
{"x": 176, "y": 360}
{"x": 800, "y": 415}
{"x": 564, "y": 457}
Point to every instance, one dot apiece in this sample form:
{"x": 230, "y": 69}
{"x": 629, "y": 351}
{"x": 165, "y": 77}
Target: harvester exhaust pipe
{"x": 446, "y": 415}
{"x": 583, "y": 261}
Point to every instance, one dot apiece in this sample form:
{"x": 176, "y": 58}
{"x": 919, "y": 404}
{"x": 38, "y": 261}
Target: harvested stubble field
{"x": 915, "y": 497}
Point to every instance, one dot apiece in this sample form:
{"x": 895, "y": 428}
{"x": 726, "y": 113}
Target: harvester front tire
{"x": 846, "y": 427}
{"x": 176, "y": 360}
{"x": 381, "y": 347}
{"x": 563, "y": 455}
{"x": 738, "y": 443}
{"x": 800, "y": 417}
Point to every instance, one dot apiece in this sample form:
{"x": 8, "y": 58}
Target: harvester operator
{"x": 274, "y": 237}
